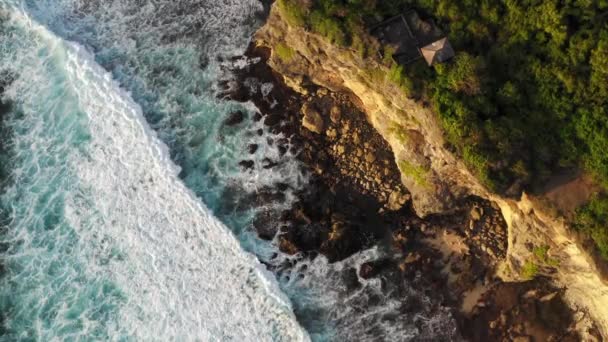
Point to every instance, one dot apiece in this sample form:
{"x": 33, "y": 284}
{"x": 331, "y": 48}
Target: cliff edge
{"x": 539, "y": 241}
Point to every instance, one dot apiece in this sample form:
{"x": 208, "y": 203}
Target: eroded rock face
{"x": 529, "y": 311}
{"x": 312, "y": 120}
{"x": 441, "y": 180}
{"x": 410, "y": 130}
{"x": 355, "y": 200}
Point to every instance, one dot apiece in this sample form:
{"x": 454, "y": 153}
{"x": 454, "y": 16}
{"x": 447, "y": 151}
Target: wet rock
{"x": 267, "y": 163}
{"x": 234, "y": 118}
{"x": 282, "y": 150}
{"x": 272, "y": 120}
{"x": 265, "y": 223}
{"x": 257, "y": 117}
{"x": 371, "y": 269}
{"x": 312, "y": 120}
{"x": 252, "y": 148}
{"x": 247, "y": 164}
{"x": 288, "y": 247}
{"x": 282, "y": 186}
{"x": 351, "y": 280}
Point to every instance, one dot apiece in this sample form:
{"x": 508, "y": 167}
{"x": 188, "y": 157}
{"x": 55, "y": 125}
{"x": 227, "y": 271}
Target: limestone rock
{"x": 335, "y": 114}
{"x": 370, "y": 157}
{"x": 331, "y": 133}
{"x": 312, "y": 120}
{"x": 397, "y": 200}
{"x": 475, "y": 214}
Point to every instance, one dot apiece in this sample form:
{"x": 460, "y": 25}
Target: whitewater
{"x": 104, "y": 241}
{"x": 119, "y": 164}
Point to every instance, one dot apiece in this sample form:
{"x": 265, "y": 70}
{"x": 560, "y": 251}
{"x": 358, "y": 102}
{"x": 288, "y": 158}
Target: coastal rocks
{"x": 247, "y": 164}
{"x": 355, "y": 200}
{"x": 265, "y": 224}
{"x": 234, "y": 118}
{"x": 372, "y": 269}
{"x": 529, "y": 311}
{"x": 397, "y": 200}
{"x": 335, "y": 114}
{"x": 312, "y": 120}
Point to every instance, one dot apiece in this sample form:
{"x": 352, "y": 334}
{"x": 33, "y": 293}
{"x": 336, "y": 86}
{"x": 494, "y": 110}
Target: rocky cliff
{"x": 436, "y": 179}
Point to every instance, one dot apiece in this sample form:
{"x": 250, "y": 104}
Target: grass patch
{"x": 417, "y": 173}
{"x": 541, "y": 254}
{"x": 293, "y": 12}
{"x": 530, "y": 270}
{"x": 284, "y": 52}
{"x": 399, "y": 133}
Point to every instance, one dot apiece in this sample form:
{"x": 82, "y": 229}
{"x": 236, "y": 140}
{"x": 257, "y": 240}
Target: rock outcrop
{"x": 435, "y": 177}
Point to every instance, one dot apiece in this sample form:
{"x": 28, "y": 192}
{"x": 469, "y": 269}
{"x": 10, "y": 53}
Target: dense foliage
{"x": 593, "y": 220}
{"x": 527, "y": 94}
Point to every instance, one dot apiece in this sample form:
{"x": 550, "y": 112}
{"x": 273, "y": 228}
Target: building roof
{"x": 438, "y": 51}
{"x": 413, "y": 38}
{"x": 396, "y": 32}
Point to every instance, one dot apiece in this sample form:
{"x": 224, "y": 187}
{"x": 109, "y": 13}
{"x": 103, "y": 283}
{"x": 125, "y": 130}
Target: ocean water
{"x": 104, "y": 242}
{"x": 120, "y": 164}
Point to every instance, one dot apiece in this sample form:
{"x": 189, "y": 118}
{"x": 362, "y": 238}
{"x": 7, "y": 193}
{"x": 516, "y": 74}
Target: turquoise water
{"x": 117, "y": 141}
{"x": 104, "y": 240}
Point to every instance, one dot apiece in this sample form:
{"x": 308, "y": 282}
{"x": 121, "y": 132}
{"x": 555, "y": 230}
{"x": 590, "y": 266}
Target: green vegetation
{"x": 541, "y": 254}
{"x": 532, "y": 267}
{"x": 399, "y": 132}
{"x": 530, "y": 270}
{"x": 526, "y": 96}
{"x": 417, "y": 173}
{"x": 284, "y": 52}
{"x": 593, "y": 221}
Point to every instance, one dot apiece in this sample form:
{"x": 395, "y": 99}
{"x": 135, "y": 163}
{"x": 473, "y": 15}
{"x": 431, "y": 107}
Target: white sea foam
{"x": 124, "y": 219}
{"x": 154, "y": 49}
{"x": 137, "y": 255}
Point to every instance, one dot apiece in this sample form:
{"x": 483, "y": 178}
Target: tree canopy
{"x": 526, "y": 95}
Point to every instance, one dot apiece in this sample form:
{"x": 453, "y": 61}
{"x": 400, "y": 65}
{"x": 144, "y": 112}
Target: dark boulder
{"x": 272, "y": 120}
{"x": 246, "y": 164}
{"x": 235, "y": 118}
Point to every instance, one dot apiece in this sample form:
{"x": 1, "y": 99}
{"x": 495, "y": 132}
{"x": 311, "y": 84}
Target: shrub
{"x": 293, "y": 11}
{"x": 592, "y": 220}
{"x": 328, "y": 27}
{"x": 398, "y": 77}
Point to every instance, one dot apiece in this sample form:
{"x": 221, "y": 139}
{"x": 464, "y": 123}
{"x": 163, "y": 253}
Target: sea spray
{"x": 104, "y": 240}
{"x": 167, "y": 55}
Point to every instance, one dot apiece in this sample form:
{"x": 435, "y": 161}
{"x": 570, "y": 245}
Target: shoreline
{"x": 352, "y": 204}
